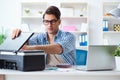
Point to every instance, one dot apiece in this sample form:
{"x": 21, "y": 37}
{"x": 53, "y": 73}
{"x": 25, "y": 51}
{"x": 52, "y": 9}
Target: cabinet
{"x": 31, "y": 15}
{"x": 74, "y": 16}
{"x": 110, "y": 35}
{"x": 75, "y": 20}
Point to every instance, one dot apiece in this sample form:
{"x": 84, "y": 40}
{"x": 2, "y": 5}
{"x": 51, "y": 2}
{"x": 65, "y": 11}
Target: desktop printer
{"x": 23, "y": 60}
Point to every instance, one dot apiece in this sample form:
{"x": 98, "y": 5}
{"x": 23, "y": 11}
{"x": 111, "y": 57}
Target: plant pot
{"x": 117, "y": 59}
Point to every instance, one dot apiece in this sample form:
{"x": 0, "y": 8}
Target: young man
{"x": 59, "y": 45}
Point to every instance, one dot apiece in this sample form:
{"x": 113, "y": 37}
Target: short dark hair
{"x": 53, "y": 10}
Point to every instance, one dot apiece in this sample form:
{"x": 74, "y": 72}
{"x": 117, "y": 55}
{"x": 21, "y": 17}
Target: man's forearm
{"x": 50, "y": 49}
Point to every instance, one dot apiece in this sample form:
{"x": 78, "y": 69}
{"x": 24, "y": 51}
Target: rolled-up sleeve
{"x": 67, "y": 42}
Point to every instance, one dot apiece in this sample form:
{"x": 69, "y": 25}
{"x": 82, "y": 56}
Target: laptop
{"x": 99, "y": 57}
{"x": 14, "y": 45}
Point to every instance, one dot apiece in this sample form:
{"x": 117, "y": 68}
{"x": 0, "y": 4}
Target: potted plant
{"x": 40, "y": 13}
{"x": 117, "y": 51}
{"x": 1, "y": 35}
{"x": 117, "y": 57}
{"x": 27, "y": 11}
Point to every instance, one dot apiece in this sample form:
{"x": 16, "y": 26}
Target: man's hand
{"x": 16, "y": 33}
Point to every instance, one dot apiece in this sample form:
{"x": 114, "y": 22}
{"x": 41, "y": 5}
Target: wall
{"x": 10, "y": 15}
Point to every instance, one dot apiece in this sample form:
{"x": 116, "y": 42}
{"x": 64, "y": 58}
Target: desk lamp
{"x": 115, "y": 12}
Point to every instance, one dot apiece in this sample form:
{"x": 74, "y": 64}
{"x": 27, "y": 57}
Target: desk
{"x": 61, "y": 74}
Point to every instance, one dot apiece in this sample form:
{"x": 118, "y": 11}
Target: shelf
{"x": 75, "y": 9}
{"x": 73, "y": 4}
{"x": 36, "y": 17}
{"x": 33, "y": 3}
{"x": 78, "y": 32}
{"x": 82, "y": 47}
{"x": 31, "y": 17}
{"x": 107, "y": 6}
{"x": 74, "y": 21}
{"x": 111, "y": 32}
{"x": 110, "y": 37}
{"x": 33, "y": 8}
{"x": 73, "y": 17}
{"x": 109, "y": 18}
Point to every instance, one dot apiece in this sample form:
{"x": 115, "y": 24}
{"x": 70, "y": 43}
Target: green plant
{"x": 117, "y": 51}
{"x": 2, "y": 38}
{"x": 40, "y": 12}
{"x": 27, "y": 10}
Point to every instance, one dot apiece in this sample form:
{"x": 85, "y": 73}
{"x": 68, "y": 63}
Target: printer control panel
{"x": 7, "y": 64}
{"x": 23, "y": 61}
{"x": 34, "y": 62}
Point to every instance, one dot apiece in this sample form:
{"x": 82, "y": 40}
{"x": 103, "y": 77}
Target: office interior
{"x": 11, "y": 17}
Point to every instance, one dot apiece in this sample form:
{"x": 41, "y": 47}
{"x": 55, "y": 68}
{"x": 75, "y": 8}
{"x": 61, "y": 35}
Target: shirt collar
{"x": 58, "y": 33}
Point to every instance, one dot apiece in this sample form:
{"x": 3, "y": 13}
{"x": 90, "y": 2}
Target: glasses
{"x": 46, "y": 22}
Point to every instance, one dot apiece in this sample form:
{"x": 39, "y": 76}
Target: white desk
{"x": 60, "y": 74}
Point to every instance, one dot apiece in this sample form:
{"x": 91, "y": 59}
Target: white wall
{"x": 10, "y": 13}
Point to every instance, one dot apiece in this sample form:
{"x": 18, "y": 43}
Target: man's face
{"x": 51, "y": 23}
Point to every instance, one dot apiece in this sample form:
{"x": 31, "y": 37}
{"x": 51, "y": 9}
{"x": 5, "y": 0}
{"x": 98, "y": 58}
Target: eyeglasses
{"x": 46, "y": 22}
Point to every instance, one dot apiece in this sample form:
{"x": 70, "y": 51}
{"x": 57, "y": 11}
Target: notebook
{"x": 99, "y": 57}
{"x": 14, "y": 45}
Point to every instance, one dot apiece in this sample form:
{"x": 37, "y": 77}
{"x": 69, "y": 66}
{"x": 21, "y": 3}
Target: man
{"x": 59, "y": 45}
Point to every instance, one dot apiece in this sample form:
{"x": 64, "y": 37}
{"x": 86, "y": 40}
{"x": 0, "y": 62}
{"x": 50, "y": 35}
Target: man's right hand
{"x": 16, "y": 33}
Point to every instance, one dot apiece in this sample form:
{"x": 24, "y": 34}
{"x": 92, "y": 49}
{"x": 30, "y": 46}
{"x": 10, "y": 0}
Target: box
{"x": 66, "y": 12}
{"x": 81, "y": 56}
{"x": 69, "y": 28}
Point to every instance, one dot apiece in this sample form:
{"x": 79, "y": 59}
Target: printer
{"x": 12, "y": 57}
{"x": 23, "y": 60}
